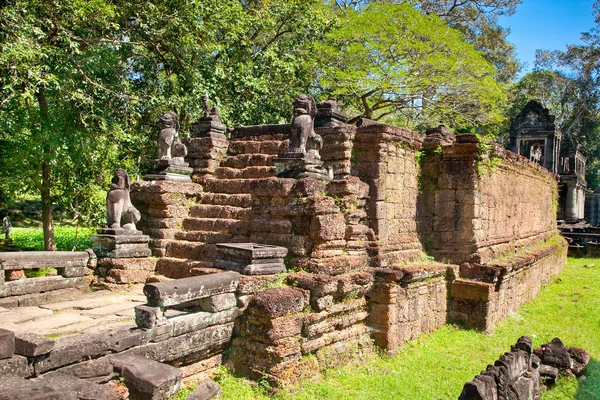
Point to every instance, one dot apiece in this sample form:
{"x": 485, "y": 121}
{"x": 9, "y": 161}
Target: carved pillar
{"x": 571, "y": 204}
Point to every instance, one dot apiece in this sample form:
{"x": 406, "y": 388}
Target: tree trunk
{"x": 49, "y": 242}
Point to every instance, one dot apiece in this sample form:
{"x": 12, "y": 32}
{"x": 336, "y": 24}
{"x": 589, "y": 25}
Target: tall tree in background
{"x": 392, "y": 62}
{"x": 578, "y": 93}
{"x": 64, "y": 101}
{"x": 477, "y": 19}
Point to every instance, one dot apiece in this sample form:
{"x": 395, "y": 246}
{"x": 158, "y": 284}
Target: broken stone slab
{"x": 35, "y": 299}
{"x": 74, "y": 388}
{"x": 15, "y": 366}
{"x": 164, "y": 294}
{"x": 78, "y": 348}
{"x": 148, "y": 317}
{"x": 183, "y": 324}
{"x": 7, "y": 343}
{"x": 96, "y": 371}
{"x": 31, "y": 345}
{"x": 555, "y": 354}
{"x": 218, "y": 302}
{"x": 39, "y": 285}
{"x": 181, "y": 346}
{"x": 205, "y": 391}
{"x": 548, "y": 373}
{"x": 150, "y": 380}
{"x": 43, "y": 259}
{"x": 16, "y": 388}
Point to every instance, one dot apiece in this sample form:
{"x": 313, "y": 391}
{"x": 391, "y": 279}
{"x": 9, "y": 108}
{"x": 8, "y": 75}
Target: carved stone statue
{"x": 169, "y": 130}
{"x": 303, "y": 138}
{"x": 119, "y": 209}
{"x": 303, "y": 159}
{"x": 6, "y": 228}
{"x": 170, "y": 164}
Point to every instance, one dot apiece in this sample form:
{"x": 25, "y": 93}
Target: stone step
{"x": 177, "y": 268}
{"x": 43, "y": 325}
{"x": 232, "y": 226}
{"x": 228, "y": 186}
{"x": 248, "y": 160}
{"x": 218, "y": 211}
{"x": 190, "y": 250}
{"x": 24, "y": 314}
{"x": 223, "y": 199}
{"x": 88, "y": 325}
{"x": 85, "y": 302}
{"x": 111, "y": 309}
{"x": 272, "y": 147}
{"x": 245, "y": 173}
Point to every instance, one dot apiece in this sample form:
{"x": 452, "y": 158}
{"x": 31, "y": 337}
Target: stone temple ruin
{"x": 310, "y": 238}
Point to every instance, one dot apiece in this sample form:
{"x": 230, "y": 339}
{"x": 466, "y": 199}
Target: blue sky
{"x": 548, "y": 25}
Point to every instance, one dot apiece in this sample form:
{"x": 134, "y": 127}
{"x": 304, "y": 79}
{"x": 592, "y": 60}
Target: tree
{"x": 477, "y": 19}
{"x": 391, "y": 61}
{"x": 83, "y": 82}
{"x": 65, "y": 104}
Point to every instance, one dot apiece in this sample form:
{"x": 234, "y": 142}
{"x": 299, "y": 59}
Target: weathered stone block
{"x": 15, "y": 366}
{"x": 7, "y": 343}
{"x": 32, "y": 345}
{"x": 205, "y": 391}
{"x": 73, "y": 272}
{"x": 192, "y": 322}
{"x": 470, "y": 290}
{"x": 179, "y": 291}
{"x": 150, "y": 380}
{"x": 328, "y": 227}
{"x": 148, "y": 317}
{"x": 277, "y": 302}
{"x": 218, "y": 302}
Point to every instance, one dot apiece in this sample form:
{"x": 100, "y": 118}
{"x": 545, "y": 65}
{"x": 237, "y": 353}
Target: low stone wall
{"x": 406, "y": 302}
{"x": 18, "y": 291}
{"x": 482, "y": 295}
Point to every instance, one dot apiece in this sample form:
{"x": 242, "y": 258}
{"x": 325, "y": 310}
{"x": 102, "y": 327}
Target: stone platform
{"x": 84, "y": 313}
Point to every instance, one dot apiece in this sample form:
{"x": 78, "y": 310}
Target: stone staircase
{"x": 224, "y": 210}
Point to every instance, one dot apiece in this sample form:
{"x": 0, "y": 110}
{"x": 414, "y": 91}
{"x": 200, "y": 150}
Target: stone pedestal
{"x": 329, "y": 115}
{"x": 173, "y": 169}
{"x": 120, "y": 243}
{"x": 251, "y": 258}
{"x": 209, "y": 127}
{"x": 300, "y": 165}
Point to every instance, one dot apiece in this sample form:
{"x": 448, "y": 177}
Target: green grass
{"x": 437, "y": 365}
{"x": 66, "y": 238}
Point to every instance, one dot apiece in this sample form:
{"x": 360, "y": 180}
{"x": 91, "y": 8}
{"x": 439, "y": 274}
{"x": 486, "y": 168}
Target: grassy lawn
{"x": 66, "y": 238}
{"x": 437, "y": 365}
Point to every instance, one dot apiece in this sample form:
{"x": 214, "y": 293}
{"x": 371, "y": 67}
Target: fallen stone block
{"x": 73, "y": 272}
{"x": 7, "y": 343}
{"x": 31, "y": 345}
{"x": 548, "y": 373}
{"x": 15, "y": 366}
{"x": 580, "y": 358}
{"x": 148, "y": 317}
{"x": 96, "y": 371}
{"x": 164, "y": 294}
{"x": 218, "y": 302}
{"x": 205, "y": 391}
{"x": 555, "y": 354}
{"x": 150, "y": 380}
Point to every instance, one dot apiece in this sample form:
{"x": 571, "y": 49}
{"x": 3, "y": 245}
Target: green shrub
{"x": 67, "y": 238}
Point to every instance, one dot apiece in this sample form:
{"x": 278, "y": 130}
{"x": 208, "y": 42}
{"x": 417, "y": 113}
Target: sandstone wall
{"x": 474, "y": 208}
{"x": 384, "y": 157}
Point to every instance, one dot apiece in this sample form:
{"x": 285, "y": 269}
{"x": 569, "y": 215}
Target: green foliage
{"x": 390, "y": 61}
{"x": 68, "y": 238}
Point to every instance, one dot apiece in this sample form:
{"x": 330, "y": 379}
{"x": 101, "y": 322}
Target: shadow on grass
{"x": 589, "y": 389}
